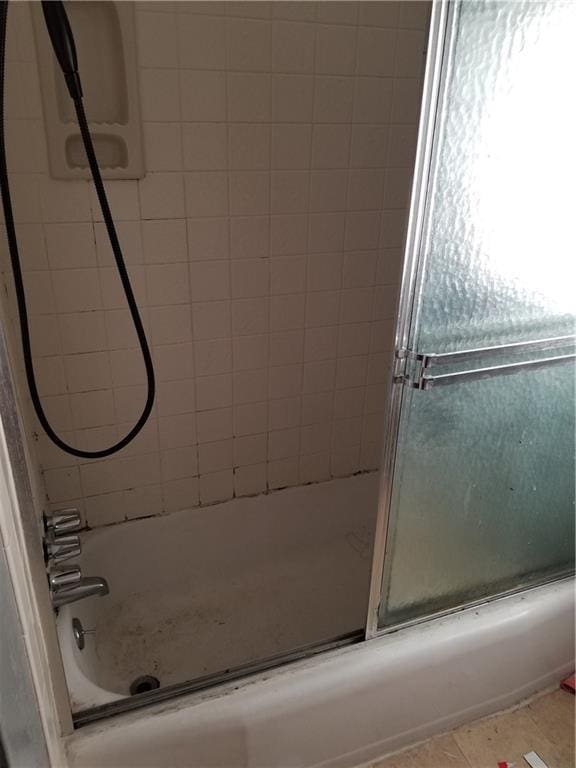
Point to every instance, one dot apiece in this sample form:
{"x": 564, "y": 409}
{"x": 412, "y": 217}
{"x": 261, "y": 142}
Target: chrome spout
{"x": 63, "y": 592}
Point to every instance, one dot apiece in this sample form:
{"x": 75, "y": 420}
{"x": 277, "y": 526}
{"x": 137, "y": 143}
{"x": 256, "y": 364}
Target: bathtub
{"x": 353, "y": 705}
{"x": 199, "y": 591}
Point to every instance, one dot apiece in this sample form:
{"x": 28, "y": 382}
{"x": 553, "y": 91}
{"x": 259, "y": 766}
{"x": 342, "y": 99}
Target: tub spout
{"x": 69, "y": 586}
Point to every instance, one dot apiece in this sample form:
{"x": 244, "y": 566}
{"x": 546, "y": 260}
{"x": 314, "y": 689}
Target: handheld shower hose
{"x": 65, "y": 51}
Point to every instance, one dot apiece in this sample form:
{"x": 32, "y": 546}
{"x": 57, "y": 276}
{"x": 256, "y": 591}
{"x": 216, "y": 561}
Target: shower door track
{"x": 243, "y": 672}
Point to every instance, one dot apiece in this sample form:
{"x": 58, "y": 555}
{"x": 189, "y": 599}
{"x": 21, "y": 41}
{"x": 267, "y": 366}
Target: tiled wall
{"x": 264, "y": 246}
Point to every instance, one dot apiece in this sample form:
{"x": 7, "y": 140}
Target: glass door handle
{"x": 413, "y": 368}
{"x": 426, "y": 381}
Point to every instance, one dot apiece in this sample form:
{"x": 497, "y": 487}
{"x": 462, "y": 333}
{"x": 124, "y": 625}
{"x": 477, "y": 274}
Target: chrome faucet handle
{"x": 64, "y": 578}
{"x": 62, "y": 522}
{"x": 62, "y": 548}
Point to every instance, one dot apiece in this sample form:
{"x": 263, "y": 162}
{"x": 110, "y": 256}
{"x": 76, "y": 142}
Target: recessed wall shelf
{"x": 105, "y": 38}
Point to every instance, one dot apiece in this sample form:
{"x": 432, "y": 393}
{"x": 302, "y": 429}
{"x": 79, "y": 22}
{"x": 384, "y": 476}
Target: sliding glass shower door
{"x": 481, "y": 445}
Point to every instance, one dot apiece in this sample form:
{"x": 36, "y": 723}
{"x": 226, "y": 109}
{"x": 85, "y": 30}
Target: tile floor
{"x": 545, "y": 725}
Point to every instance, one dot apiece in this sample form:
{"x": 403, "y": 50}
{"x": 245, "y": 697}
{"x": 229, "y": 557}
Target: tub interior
{"x": 200, "y": 591}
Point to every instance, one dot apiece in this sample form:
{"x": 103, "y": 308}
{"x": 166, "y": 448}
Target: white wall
{"x": 264, "y": 245}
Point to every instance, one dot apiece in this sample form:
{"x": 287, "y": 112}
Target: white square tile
{"x": 291, "y": 146}
{"x": 164, "y": 241}
{"x": 159, "y": 94}
{"x": 249, "y": 43}
{"x": 209, "y": 280}
{"x": 315, "y": 438}
{"x": 337, "y": 12}
{"x": 250, "y": 352}
{"x": 176, "y": 397}
{"x": 249, "y": 237}
{"x": 162, "y": 196}
{"x": 292, "y": 98}
{"x": 351, "y": 371}
{"x": 284, "y": 381}
{"x": 288, "y": 234}
{"x": 369, "y": 146}
{"x": 406, "y": 99}
{"x": 249, "y": 147}
{"x": 181, "y": 493}
{"x": 402, "y": 145}
{"x": 249, "y": 316}
{"x": 214, "y": 392}
{"x": 250, "y": 386}
{"x": 359, "y": 269}
{"x": 293, "y": 47}
{"x": 203, "y": 95}
{"x": 170, "y": 325}
{"x": 283, "y": 414}
{"x": 283, "y": 443}
{"x": 75, "y": 290}
{"x": 335, "y": 50}
{"x": 213, "y": 357}
{"x": 287, "y": 275}
{"x": 290, "y": 191}
{"x": 354, "y": 339}
{"x": 324, "y": 271}
{"x": 286, "y": 347}
{"x": 206, "y": 193}
{"x": 319, "y": 376}
{"x": 333, "y": 99}
{"x": 326, "y": 232}
{"x": 215, "y": 456}
{"x": 201, "y": 42}
{"x": 250, "y": 419}
{"x": 92, "y": 409}
{"x": 250, "y": 480}
{"x": 373, "y": 99}
{"x": 172, "y": 361}
{"x": 282, "y": 473}
{"x": 177, "y": 431}
{"x": 356, "y": 306}
{"x": 328, "y": 190}
{"x": 315, "y": 468}
{"x": 410, "y": 53}
{"x": 208, "y": 239}
{"x": 250, "y": 278}
{"x": 397, "y": 187}
{"x": 287, "y": 312}
{"x": 214, "y": 425}
{"x": 70, "y": 245}
{"x": 376, "y": 51}
{"x": 249, "y": 193}
{"x": 320, "y": 343}
{"x": 216, "y": 486}
{"x": 249, "y": 97}
{"x": 366, "y": 189}
{"x": 385, "y": 300}
{"x": 330, "y": 146}
{"x": 415, "y": 15}
{"x": 362, "y": 230}
{"x": 255, "y": 9}
{"x": 85, "y": 372}
{"x": 294, "y": 10}
{"x": 251, "y": 449}
{"x": 212, "y": 320}
{"x": 156, "y": 34}
{"x": 374, "y": 13}
{"x": 167, "y": 284}
{"x": 322, "y": 308}
{"x": 205, "y": 146}
{"x": 82, "y": 332}
{"x": 130, "y": 238}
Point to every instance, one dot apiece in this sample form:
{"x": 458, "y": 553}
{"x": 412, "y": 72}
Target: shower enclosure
{"x": 254, "y": 523}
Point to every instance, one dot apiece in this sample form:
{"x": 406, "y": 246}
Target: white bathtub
{"x": 200, "y": 591}
{"x": 353, "y": 705}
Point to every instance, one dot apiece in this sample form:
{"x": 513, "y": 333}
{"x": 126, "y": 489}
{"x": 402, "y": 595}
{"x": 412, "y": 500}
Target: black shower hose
{"x": 19, "y": 284}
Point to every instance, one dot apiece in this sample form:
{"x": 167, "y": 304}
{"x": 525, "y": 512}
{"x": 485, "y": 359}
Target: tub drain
{"x": 143, "y": 684}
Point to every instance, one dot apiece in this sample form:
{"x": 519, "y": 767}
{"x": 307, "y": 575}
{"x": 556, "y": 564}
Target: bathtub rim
{"x": 221, "y": 684}
{"x": 537, "y": 626}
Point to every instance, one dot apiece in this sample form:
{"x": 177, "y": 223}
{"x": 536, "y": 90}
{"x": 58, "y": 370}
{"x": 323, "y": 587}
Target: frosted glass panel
{"x": 499, "y": 231}
{"x": 484, "y": 491}
{"x": 483, "y": 484}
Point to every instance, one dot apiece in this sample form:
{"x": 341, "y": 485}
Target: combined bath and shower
{"x": 64, "y": 47}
